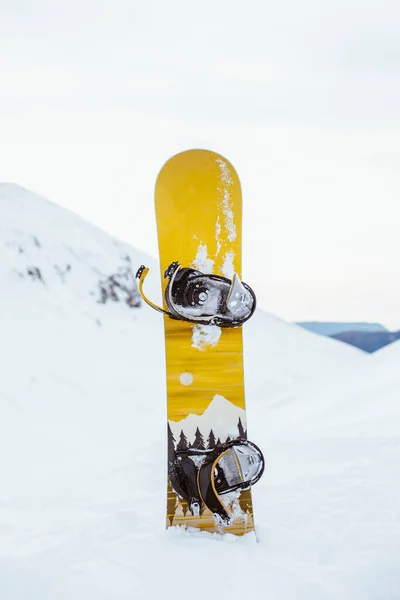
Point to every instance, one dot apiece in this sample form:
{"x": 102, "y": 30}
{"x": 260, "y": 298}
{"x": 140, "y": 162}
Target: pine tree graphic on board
{"x": 198, "y": 440}
{"x": 211, "y": 441}
{"x": 242, "y": 433}
{"x": 182, "y": 444}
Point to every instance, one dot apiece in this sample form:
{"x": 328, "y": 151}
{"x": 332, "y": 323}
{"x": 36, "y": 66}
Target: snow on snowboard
{"x": 211, "y": 464}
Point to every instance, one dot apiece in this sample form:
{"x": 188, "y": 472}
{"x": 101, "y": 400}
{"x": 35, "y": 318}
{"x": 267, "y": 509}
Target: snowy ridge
{"x": 41, "y": 242}
{"x": 283, "y": 360}
{"x": 83, "y": 441}
{"x": 388, "y": 355}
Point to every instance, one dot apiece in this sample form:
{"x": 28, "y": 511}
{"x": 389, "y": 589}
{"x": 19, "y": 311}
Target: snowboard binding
{"x": 205, "y": 299}
{"x": 204, "y": 477}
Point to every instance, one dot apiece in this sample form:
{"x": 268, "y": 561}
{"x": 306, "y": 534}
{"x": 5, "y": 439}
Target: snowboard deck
{"x": 198, "y": 206}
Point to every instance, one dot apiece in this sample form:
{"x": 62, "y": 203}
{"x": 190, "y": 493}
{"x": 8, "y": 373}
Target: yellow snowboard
{"x": 198, "y": 207}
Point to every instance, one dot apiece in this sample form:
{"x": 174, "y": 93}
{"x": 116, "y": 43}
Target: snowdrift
{"x": 83, "y": 441}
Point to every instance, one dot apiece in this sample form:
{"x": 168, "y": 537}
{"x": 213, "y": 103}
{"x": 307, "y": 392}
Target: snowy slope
{"x": 75, "y": 260}
{"x": 282, "y": 359}
{"x": 389, "y": 355}
{"x": 40, "y": 242}
{"x": 83, "y": 442}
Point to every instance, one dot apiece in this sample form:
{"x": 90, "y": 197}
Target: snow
{"x": 83, "y": 442}
{"x": 228, "y": 268}
{"x": 218, "y": 235}
{"x": 283, "y": 361}
{"x": 226, "y": 183}
{"x": 388, "y": 355}
{"x": 202, "y": 262}
{"x": 205, "y": 335}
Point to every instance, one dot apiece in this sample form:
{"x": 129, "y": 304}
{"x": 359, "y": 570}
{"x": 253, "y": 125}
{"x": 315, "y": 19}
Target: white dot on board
{"x": 186, "y": 378}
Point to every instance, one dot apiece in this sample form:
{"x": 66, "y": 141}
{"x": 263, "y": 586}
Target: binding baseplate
{"x": 206, "y": 299}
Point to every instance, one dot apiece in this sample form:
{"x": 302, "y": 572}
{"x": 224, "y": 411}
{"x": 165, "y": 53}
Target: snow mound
{"x": 283, "y": 359}
{"x": 388, "y": 355}
{"x": 83, "y": 443}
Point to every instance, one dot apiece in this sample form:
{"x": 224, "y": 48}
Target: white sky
{"x": 302, "y": 97}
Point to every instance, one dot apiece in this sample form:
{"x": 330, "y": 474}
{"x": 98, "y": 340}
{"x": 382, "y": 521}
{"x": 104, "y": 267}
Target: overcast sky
{"x": 302, "y": 97}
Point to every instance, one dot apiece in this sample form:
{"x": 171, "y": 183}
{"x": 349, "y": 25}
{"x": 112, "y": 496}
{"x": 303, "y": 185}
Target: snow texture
{"x": 83, "y": 442}
{"x": 218, "y": 235}
{"x": 228, "y": 269}
{"x": 198, "y": 460}
{"x": 202, "y": 262}
{"x": 226, "y": 182}
{"x": 205, "y": 335}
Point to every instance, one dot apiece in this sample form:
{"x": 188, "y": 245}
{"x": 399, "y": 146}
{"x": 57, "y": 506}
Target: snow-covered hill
{"x": 76, "y": 263}
{"x": 389, "y": 355}
{"x": 83, "y": 442}
{"x": 40, "y": 242}
{"x": 282, "y": 359}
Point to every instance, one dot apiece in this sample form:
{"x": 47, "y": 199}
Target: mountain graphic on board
{"x": 221, "y": 416}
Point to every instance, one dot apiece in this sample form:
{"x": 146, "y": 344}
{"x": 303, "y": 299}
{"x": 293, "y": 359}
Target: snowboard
{"x": 211, "y": 464}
